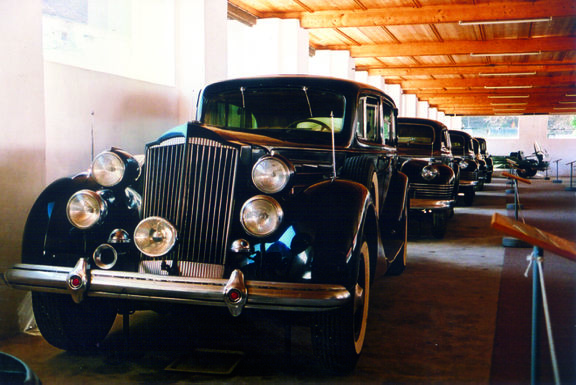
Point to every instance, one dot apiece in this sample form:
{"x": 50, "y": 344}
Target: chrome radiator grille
{"x": 191, "y": 185}
{"x": 431, "y": 191}
{"x": 468, "y": 175}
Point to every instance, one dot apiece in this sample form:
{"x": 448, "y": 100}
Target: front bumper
{"x": 235, "y": 293}
{"x": 468, "y": 184}
{"x": 417, "y": 204}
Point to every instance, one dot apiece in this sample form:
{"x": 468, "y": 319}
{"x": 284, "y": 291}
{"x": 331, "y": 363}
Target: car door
{"x": 375, "y": 131}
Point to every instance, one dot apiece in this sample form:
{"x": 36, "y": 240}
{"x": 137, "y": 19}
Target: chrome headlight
{"x": 85, "y": 209}
{"x": 270, "y": 174}
{"x": 429, "y": 172}
{"x": 110, "y": 168}
{"x": 261, "y": 215}
{"x": 155, "y": 236}
{"x": 463, "y": 164}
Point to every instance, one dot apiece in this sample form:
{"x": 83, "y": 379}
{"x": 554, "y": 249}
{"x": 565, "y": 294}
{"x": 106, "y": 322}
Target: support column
{"x": 201, "y": 37}
{"x": 409, "y": 106}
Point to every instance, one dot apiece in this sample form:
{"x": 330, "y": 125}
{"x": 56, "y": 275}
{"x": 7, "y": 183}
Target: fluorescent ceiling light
{"x": 566, "y": 102}
{"x": 509, "y": 109}
{"x": 508, "y": 104}
{"x": 508, "y": 74}
{"x": 571, "y": 95}
{"x": 565, "y": 108}
{"x": 508, "y": 96}
{"x": 504, "y": 87}
{"x": 507, "y": 21}
{"x": 505, "y": 53}
{"x": 511, "y": 21}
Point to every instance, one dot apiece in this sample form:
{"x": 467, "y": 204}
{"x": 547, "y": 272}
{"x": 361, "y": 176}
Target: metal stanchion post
{"x": 571, "y": 187}
{"x": 557, "y": 180}
{"x": 511, "y": 241}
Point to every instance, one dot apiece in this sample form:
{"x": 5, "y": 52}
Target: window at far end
{"x": 562, "y": 126}
{"x": 491, "y": 126}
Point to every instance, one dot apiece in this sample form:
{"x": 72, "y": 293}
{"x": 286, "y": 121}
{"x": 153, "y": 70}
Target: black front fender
{"x": 334, "y": 213}
{"x": 47, "y": 226}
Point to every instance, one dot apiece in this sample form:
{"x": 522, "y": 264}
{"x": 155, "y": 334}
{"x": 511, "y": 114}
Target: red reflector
{"x": 234, "y": 295}
{"x": 75, "y": 281}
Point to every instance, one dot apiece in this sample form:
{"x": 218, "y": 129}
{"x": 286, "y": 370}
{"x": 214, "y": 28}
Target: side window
{"x": 446, "y": 140}
{"x": 388, "y": 127}
{"x": 369, "y": 119}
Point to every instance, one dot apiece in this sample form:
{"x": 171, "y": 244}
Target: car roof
{"x": 428, "y": 122}
{"x": 340, "y": 85}
{"x": 461, "y": 133}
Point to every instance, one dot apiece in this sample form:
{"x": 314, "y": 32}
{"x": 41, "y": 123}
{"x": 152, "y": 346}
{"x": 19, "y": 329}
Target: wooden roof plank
{"x": 459, "y": 47}
{"x": 438, "y": 14}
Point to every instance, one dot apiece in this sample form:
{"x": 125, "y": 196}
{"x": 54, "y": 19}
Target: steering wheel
{"x": 323, "y": 126}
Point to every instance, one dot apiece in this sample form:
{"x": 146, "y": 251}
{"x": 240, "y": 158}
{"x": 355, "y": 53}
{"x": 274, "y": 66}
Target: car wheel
{"x": 338, "y": 336}
{"x": 70, "y": 326}
{"x": 522, "y": 173}
{"x": 439, "y": 224}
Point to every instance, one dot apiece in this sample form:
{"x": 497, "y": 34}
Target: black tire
{"x": 338, "y": 336}
{"x": 469, "y": 196}
{"x": 70, "y": 326}
{"x": 439, "y": 224}
{"x": 362, "y": 170}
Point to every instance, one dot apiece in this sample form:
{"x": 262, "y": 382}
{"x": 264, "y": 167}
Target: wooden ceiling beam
{"x": 475, "y": 99}
{"x": 534, "y": 81}
{"x": 461, "y": 47}
{"x": 562, "y": 91}
{"x": 382, "y": 70}
{"x": 434, "y": 14}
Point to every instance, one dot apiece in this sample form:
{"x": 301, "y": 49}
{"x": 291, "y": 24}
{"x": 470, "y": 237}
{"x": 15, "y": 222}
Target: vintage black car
{"x": 463, "y": 151}
{"x": 482, "y": 165}
{"x": 425, "y": 154}
{"x": 483, "y": 149}
{"x": 284, "y": 195}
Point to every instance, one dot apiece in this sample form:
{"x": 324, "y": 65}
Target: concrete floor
{"x": 435, "y": 324}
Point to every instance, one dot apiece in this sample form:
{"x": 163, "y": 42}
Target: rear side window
{"x": 369, "y": 123}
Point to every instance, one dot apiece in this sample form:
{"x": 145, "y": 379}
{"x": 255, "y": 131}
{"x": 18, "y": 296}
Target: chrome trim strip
{"x": 187, "y": 290}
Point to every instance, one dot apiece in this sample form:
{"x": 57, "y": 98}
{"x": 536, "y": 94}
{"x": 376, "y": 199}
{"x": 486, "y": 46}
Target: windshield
{"x": 458, "y": 145}
{"x": 409, "y": 134}
{"x": 282, "y": 109}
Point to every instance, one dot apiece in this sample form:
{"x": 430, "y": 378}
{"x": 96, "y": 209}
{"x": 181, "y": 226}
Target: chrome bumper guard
{"x": 430, "y": 204}
{"x": 235, "y": 293}
{"x": 468, "y": 183}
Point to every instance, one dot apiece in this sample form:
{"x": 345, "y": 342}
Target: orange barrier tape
{"x": 511, "y": 176}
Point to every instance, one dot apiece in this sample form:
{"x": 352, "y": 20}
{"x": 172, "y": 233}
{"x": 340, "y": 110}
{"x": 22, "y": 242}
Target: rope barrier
{"x": 538, "y": 275}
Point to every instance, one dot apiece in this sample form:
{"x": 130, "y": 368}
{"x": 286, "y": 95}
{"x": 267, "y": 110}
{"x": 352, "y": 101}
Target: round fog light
{"x": 155, "y": 236}
{"x": 85, "y": 209}
{"x": 261, "y": 215}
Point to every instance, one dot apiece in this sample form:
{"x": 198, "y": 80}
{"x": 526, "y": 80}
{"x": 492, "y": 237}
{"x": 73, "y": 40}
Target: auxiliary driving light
{"x": 155, "y": 236}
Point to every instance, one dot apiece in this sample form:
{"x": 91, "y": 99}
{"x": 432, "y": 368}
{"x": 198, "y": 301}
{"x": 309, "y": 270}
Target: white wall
{"x": 23, "y": 138}
{"x": 120, "y": 112}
